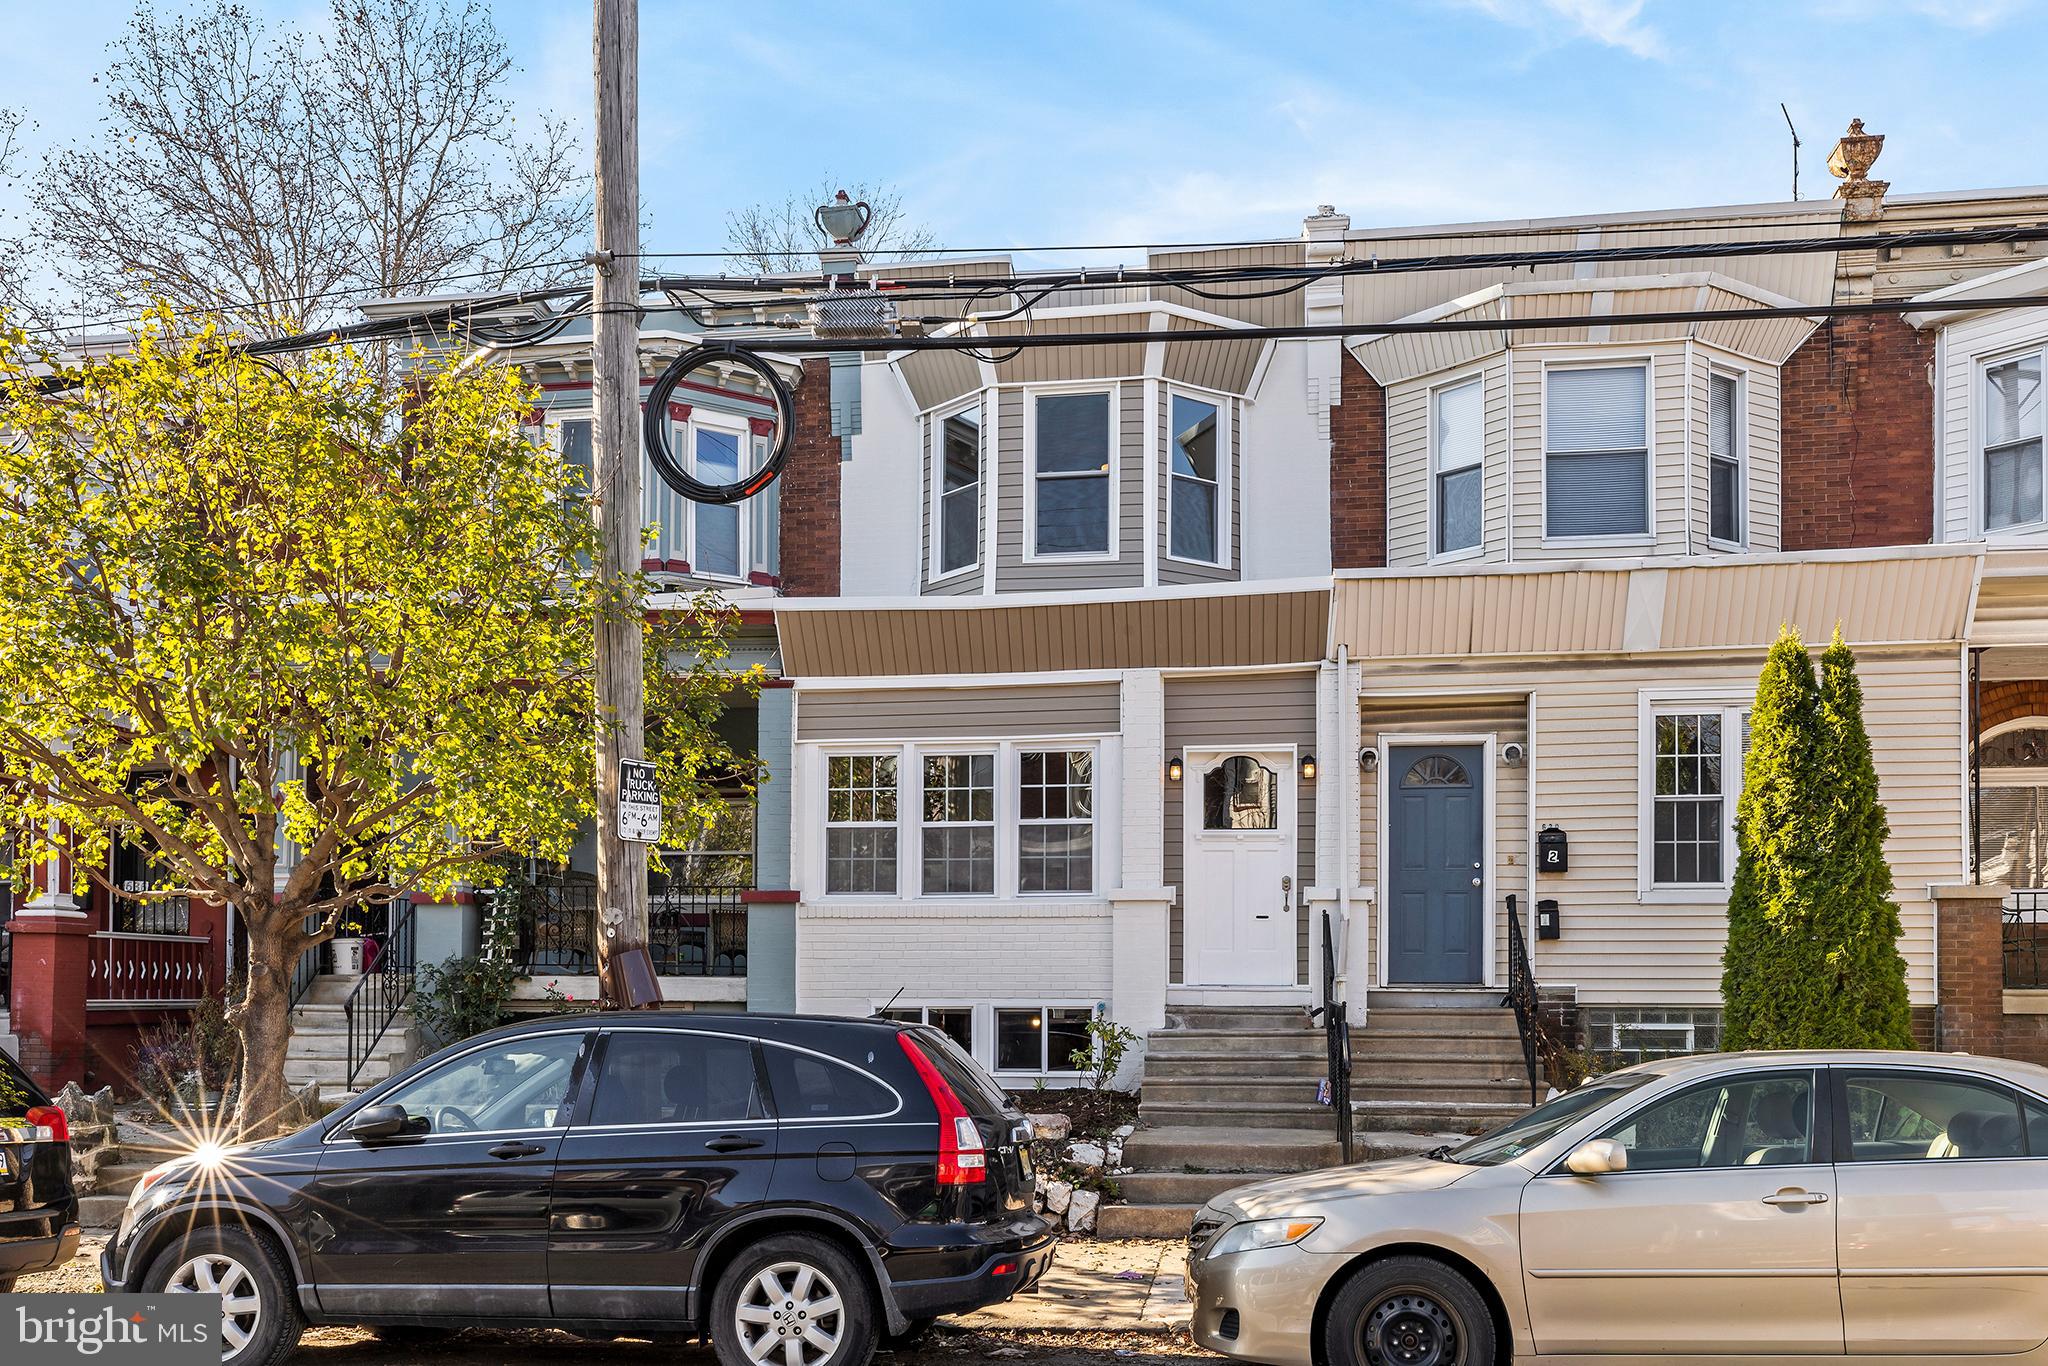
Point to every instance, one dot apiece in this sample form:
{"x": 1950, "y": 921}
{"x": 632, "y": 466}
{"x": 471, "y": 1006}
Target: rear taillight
{"x": 50, "y": 1118}
{"x": 963, "y": 1160}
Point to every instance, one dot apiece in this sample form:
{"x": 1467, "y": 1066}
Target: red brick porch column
{"x": 1969, "y": 928}
{"x": 50, "y": 934}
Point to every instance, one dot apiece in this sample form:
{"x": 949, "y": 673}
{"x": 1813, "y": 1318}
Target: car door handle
{"x": 732, "y": 1143}
{"x": 511, "y": 1150}
{"x": 1796, "y": 1198}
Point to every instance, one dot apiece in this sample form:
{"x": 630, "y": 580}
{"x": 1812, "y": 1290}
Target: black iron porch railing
{"x": 1336, "y": 1045}
{"x": 386, "y": 983}
{"x": 154, "y": 915}
{"x": 693, "y": 931}
{"x": 2026, "y": 939}
{"x": 1539, "y": 1048}
{"x": 307, "y": 970}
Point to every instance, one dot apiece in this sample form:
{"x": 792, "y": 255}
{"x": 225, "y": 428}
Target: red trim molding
{"x": 766, "y": 896}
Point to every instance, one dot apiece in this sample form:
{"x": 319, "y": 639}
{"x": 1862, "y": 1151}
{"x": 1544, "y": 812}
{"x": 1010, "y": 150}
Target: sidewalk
{"x": 1103, "y": 1285}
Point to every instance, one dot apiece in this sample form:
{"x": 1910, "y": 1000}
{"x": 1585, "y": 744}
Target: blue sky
{"x": 1058, "y": 122}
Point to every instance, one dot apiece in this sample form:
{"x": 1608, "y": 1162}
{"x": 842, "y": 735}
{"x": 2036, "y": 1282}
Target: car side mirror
{"x": 1597, "y": 1157}
{"x": 378, "y": 1121}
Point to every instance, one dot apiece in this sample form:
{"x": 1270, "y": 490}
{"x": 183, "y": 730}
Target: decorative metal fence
{"x": 2026, "y": 939}
{"x": 693, "y": 931}
{"x": 155, "y": 915}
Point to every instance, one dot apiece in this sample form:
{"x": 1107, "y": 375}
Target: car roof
{"x": 1708, "y": 1064}
{"x": 740, "y": 1021}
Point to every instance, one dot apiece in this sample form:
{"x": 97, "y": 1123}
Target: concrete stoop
{"x": 318, "y": 1051}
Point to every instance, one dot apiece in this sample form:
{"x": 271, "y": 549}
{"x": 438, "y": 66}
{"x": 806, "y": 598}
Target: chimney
{"x": 1850, "y": 163}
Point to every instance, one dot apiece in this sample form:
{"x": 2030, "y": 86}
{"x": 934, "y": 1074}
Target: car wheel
{"x": 1408, "y": 1311}
{"x": 793, "y": 1301}
{"x": 260, "y": 1322}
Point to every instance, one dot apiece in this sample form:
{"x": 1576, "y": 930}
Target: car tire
{"x": 811, "y": 1273}
{"x": 6, "y": 1284}
{"x": 1408, "y": 1311}
{"x": 236, "y": 1262}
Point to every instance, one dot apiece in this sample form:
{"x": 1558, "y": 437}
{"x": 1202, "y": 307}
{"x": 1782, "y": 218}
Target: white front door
{"x": 1238, "y": 890}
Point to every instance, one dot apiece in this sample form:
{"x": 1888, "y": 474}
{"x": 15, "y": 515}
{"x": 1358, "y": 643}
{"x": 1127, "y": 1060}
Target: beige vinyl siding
{"x": 1013, "y": 573}
{"x": 1248, "y": 711}
{"x": 1507, "y": 790}
{"x": 1410, "y": 463}
{"x": 1766, "y": 459}
{"x": 1278, "y": 310}
{"x": 960, "y": 582}
{"x": 1620, "y": 950}
{"x": 1226, "y": 366}
{"x": 1666, "y": 394}
{"x": 1183, "y": 571}
{"x": 1965, "y": 346}
{"x": 973, "y": 713}
{"x": 1063, "y": 364}
{"x": 936, "y": 377}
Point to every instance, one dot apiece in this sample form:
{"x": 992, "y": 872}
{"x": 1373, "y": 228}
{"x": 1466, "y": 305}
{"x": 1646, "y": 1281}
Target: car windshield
{"x": 1519, "y": 1135}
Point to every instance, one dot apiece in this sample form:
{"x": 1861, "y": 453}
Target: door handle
{"x": 1796, "y": 1198}
{"x": 1477, "y": 882}
{"x": 732, "y": 1143}
{"x": 510, "y": 1150}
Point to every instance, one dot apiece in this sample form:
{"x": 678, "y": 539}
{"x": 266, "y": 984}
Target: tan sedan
{"x": 1735, "y": 1205}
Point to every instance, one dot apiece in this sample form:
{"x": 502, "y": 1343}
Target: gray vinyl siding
{"x": 1181, "y": 571}
{"x": 1013, "y": 574}
{"x": 963, "y": 582}
{"x": 1507, "y": 789}
{"x": 977, "y": 713}
{"x": 1252, "y": 710}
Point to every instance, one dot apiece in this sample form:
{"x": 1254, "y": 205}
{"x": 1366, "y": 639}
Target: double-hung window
{"x": 2013, "y": 418}
{"x": 959, "y": 825}
{"x": 1193, "y": 511}
{"x": 1596, "y": 451}
{"x": 1070, "y": 503}
{"x": 1055, "y": 820}
{"x": 1694, "y": 753}
{"x": 1458, "y": 482}
{"x": 715, "y": 459}
{"x": 573, "y": 443}
{"x": 860, "y": 824}
{"x": 959, "y": 495}
{"x": 1724, "y": 458}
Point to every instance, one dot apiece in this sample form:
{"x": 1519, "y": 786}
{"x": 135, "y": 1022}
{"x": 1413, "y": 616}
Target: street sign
{"x": 639, "y": 801}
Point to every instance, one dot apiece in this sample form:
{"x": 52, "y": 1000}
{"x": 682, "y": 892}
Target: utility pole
{"x": 625, "y": 969}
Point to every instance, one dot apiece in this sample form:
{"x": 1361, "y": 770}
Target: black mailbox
{"x": 1553, "y": 850}
{"x": 1547, "y": 923}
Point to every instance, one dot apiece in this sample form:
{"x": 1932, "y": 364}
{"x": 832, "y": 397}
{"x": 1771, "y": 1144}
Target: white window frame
{"x": 1980, "y": 428}
{"x": 1437, "y": 554}
{"x": 910, "y": 756}
{"x": 936, "y": 495}
{"x": 1094, "y": 821}
{"x": 1032, "y": 393}
{"x": 1733, "y": 710}
{"x": 735, "y": 425}
{"x": 1225, "y": 423}
{"x": 983, "y": 1027}
{"x": 826, "y": 824}
{"x": 1648, "y": 365}
{"x": 551, "y": 423}
{"x": 995, "y": 822}
{"x": 1740, "y": 456}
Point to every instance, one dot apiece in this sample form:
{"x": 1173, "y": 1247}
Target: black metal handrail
{"x": 1539, "y": 1048}
{"x": 307, "y": 970}
{"x": 2026, "y": 939}
{"x": 385, "y": 987}
{"x": 1336, "y": 1045}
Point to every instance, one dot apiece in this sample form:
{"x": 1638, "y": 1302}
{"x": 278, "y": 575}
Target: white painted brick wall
{"x": 851, "y": 957}
{"x": 1142, "y": 704}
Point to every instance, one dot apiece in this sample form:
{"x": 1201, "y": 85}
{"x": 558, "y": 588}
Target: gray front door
{"x": 1436, "y": 886}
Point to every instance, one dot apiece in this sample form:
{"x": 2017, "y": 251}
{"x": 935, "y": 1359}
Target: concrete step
{"x": 1281, "y": 1091}
{"x": 1145, "y": 1221}
{"x": 1243, "y": 1115}
{"x": 101, "y": 1211}
{"x": 1421, "y": 1113}
{"x": 1248, "y": 1019}
{"x": 1439, "y": 1092}
{"x": 1440, "y": 1021}
{"x": 121, "y": 1178}
{"x": 1366, "y": 1043}
{"x": 1231, "y": 1149}
{"x": 1183, "y": 1187}
{"x": 334, "y": 1071}
{"x": 328, "y": 989}
{"x": 1170, "y": 1042}
{"x": 334, "y": 1043}
{"x": 1220, "y": 1067}
{"x": 1431, "y": 1069}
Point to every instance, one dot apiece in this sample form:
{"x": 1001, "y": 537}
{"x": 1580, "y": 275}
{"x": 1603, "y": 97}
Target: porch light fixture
{"x": 1368, "y": 759}
{"x": 1173, "y": 769}
{"x": 1308, "y": 768}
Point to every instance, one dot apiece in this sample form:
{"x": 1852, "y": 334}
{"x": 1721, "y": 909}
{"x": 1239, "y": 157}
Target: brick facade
{"x": 810, "y": 491}
{"x": 1358, "y": 471}
{"x": 2011, "y": 700}
{"x": 1859, "y": 436}
{"x": 1971, "y": 967}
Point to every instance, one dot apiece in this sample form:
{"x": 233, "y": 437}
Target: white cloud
{"x": 1612, "y": 23}
{"x": 1975, "y": 15}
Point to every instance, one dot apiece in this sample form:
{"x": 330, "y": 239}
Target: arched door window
{"x": 2012, "y": 819}
{"x": 1436, "y": 770}
{"x": 1240, "y": 794}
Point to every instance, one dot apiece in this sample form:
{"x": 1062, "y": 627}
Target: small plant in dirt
{"x": 467, "y": 995}
{"x": 179, "y": 1063}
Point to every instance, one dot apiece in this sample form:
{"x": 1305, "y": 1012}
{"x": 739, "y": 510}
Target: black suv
{"x": 794, "y": 1188}
{"x": 38, "y": 1207}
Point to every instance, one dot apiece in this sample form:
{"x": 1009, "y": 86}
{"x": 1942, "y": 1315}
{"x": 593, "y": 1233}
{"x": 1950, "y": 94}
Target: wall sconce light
{"x": 1512, "y": 754}
{"x": 1173, "y": 769}
{"x": 1308, "y": 768}
{"x": 1368, "y": 759}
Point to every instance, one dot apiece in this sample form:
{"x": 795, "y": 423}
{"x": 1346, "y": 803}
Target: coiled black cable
{"x": 655, "y": 428}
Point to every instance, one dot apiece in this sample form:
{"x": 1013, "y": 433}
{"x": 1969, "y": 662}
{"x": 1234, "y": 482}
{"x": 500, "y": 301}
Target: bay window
{"x": 958, "y": 534}
{"x": 1596, "y": 451}
{"x": 1195, "y": 469}
{"x": 959, "y": 825}
{"x": 1055, "y": 821}
{"x": 1458, "y": 482}
{"x": 1724, "y": 458}
{"x": 715, "y": 459}
{"x": 2012, "y": 443}
{"x": 1070, "y": 475}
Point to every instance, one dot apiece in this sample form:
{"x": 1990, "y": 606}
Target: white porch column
{"x": 1138, "y": 943}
